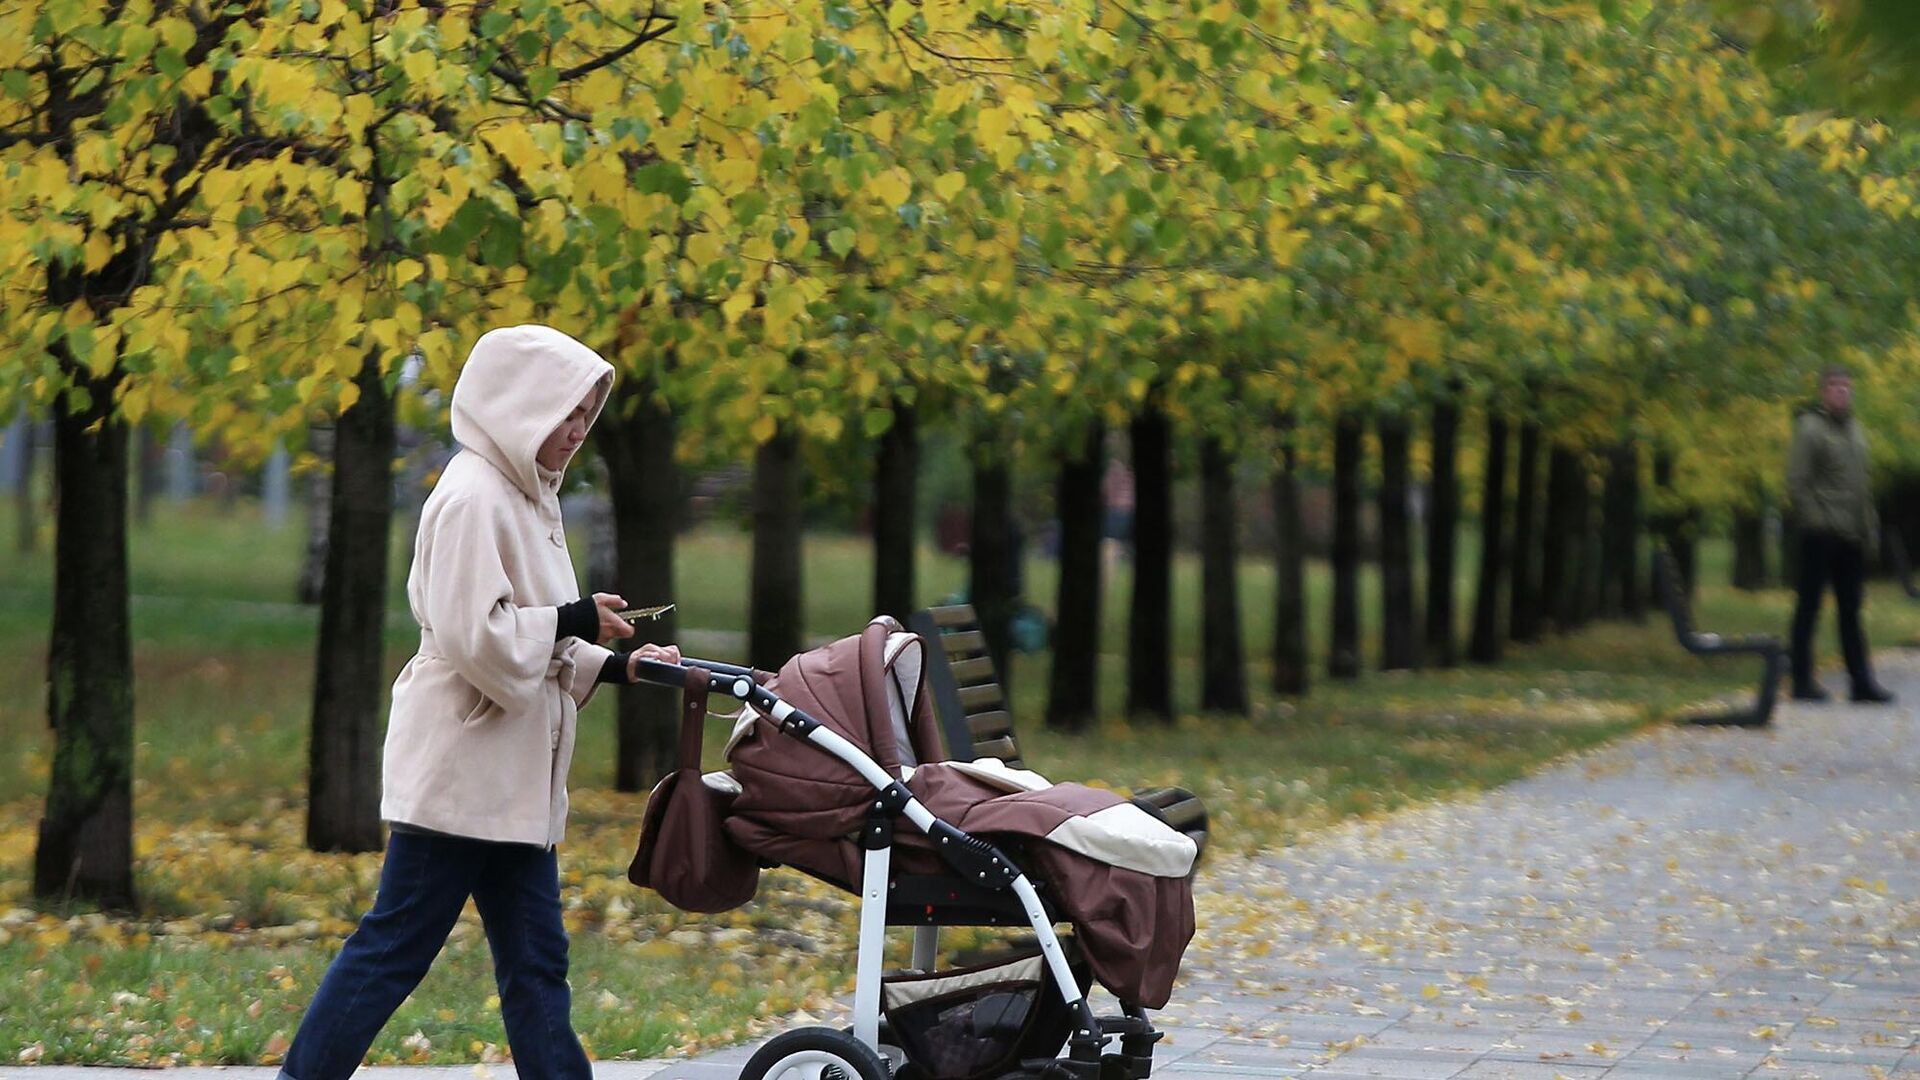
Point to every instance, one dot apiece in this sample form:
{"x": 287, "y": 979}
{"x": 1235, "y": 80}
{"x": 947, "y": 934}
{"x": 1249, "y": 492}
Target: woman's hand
{"x": 612, "y": 626}
{"x": 666, "y": 654}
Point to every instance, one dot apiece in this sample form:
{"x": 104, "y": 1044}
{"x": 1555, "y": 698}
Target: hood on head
{"x": 518, "y": 384}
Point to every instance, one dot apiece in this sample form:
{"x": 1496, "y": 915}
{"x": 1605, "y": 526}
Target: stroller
{"x": 834, "y": 809}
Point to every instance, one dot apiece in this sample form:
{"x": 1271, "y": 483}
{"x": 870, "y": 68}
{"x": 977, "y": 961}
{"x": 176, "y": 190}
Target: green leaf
{"x": 500, "y": 243}
{"x": 749, "y": 205}
{"x": 841, "y": 241}
{"x": 541, "y": 81}
{"x": 668, "y": 97}
{"x": 663, "y": 178}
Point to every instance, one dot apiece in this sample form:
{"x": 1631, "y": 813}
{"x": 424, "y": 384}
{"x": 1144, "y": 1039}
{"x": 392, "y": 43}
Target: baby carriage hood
{"x": 869, "y": 690}
{"x": 518, "y": 384}
{"x": 1121, "y": 876}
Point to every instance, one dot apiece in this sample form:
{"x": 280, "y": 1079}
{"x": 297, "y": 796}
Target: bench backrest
{"x": 966, "y": 689}
{"x": 976, "y": 723}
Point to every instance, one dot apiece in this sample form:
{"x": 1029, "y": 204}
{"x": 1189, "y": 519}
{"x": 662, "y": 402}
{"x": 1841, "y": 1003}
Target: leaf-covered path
{"x": 1690, "y": 903}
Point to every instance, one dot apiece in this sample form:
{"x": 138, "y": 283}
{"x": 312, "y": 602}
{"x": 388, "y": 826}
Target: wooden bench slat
{"x": 981, "y": 698}
{"x": 1002, "y": 748}
{"x": 954, "y": 616}
{"x": 1183, "y": 816}
{"x": 967, "y": 643}
{"x": 973, "y": 672}
{"x": 986, "y": 725}
{"x": 1162, "y": 797}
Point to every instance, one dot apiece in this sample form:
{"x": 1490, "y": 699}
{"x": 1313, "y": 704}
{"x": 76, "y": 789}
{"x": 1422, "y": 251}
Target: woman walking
{"x": 482, "y": 728}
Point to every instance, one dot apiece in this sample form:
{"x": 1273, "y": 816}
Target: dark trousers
{"x": 424, "y": 884}
{"x": 1825, "y": 557}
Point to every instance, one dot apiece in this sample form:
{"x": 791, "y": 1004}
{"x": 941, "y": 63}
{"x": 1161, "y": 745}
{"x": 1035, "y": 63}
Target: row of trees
{"x": 1266, "y": 230}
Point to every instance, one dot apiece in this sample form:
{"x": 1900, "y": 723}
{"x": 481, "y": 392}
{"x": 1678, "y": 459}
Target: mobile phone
{"x": 644, "y": 614}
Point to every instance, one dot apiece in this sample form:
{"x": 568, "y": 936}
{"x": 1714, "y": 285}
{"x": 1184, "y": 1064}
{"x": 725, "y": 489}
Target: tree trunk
{"x": 1343, "y": 656}
{"x": 1443, "y": 526}
{"x": 1223, "y": 669}
{"x": 85, "y": 848}
{"x": 1485, "y": 645}
{"x": 1634, "y": 595}
{"x": 313, "y": 570}
{"x": 1150, "y": 614}
{"x": 276, "y": 488}
{"x": 1674, "y": 527}
{"x": 1621, "y": 526}
{"x": 149, "y": 456}
{"x": 1790, "y": 554}
{"x": 1557, "y": 577}
{"x": 635, "y": 435}
{"x": 895, "y": 482}
{"x": 1584, "y": 547}
{"x": 1399, "y": 623}
{"x": 992, "y": 561}
{"x": 1523, "y": 618}
{"x": 1749, "y": 550}
{"x": 10, "y": 440}
{"x": 343, "y": 778}
{"x": 26, "y": 507}
{"x": 182, "y": 464}
{"x": 1290, "y": 574}
{"x": 774, "y": 613}
{"x": 1072, "y": 699}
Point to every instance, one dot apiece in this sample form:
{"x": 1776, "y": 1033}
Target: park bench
{"x": 1673, "y": 596}
{"x": 976, "y": 720}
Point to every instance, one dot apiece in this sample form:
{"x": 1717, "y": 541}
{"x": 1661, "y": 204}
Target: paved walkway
{"x": 1690, "y": 904}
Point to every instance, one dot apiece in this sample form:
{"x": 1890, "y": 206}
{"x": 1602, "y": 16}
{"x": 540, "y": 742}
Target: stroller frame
{"x": 987, "y": 889}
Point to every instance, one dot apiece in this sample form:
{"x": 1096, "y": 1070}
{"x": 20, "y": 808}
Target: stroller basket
{"x": 983, "y": 1021}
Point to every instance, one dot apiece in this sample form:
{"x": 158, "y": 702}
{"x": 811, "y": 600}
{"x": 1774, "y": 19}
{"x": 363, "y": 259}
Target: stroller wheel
{"x": 815, "y": 1053}
{"x": 893, "y": 1056}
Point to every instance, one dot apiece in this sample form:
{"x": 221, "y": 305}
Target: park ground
{"x": 237, "y": 921}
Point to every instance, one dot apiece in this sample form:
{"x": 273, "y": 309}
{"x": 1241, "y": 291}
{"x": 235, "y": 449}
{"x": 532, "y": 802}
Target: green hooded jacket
{"x": 1828, "y": 489}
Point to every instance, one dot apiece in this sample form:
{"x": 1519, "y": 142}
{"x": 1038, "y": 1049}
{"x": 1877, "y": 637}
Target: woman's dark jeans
{"x": 424, "y": 884}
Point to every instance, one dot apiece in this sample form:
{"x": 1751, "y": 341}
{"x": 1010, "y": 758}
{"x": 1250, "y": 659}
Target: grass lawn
{"x": 238, "y": 922}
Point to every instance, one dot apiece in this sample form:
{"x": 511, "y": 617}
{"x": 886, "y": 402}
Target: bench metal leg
{"x": 926, "y": 943}
{"x": 1772, "y": 663}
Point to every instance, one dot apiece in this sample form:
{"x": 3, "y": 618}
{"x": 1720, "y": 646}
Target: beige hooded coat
{"x": 482, "y": 728}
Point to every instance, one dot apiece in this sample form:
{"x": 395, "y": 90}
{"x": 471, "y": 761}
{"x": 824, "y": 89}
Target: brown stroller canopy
{"x": 1120, "y": 875}
{"x": 868, "y": 689}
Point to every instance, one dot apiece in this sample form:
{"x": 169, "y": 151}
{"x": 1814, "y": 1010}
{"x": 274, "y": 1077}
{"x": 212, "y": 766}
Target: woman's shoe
{"x": 1872, "y": 694}
{"x": 1811, "y": 692}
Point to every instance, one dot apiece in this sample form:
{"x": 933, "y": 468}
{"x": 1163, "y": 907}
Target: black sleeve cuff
{"x": 615, "y": 669}
{"x": 578, "y": 619}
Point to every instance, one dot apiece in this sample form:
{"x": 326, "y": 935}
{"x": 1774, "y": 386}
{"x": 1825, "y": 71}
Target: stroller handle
{"x": 659, "y": 671}
{"x": 734, "y": 681}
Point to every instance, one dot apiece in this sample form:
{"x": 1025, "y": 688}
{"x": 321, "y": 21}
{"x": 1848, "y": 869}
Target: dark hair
{"x": 1834, "y": 371}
